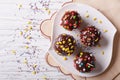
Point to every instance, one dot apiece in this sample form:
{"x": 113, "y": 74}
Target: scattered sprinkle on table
{"x": 30, "y": 27}
{"x": 29, "y": 22}
{"x": 26, "y": 47}
{"x": 21, "y": 33}
{"x": 103, "y": 53}
{"x": 25, "y": 61}
{"x": 49, "y": 11}
{"x": 46, "y": 9}
{"x": 33, "y": 72}
{"x": 44, "y": 77}
{"x": 26, "y": 30}
{"x": 28, "y": 37}
{"x": 13, "y": 51}
{"x": 35, "y": 65}
{"x": 19, "y": 6}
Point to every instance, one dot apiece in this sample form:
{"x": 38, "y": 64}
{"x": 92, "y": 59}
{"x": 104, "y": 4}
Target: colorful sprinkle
{"x": 74, "y": 26}
{"x": 87, "y": 15}
{"x": 69, "y": 40}
{"x": 44, "y": 77}
{"x": 19, "y": 6}
{"x": 72, "y": 47}
{"x": 48, "y": 11}
{"x": 76, "y": 22}
{"x": 66, "y": 21}
{"x": 70, "y": 44}
{"x": 30, "y": 27}
{"x": 85, "y": 59}
{"x": 26, "y": 47}
{"x": 71, "y": 51}
{"x": 61, "y": 46}
{"x": 88, "y": 58}
{"x": 13, "y": 51}
{"x": 57, "y": 51}
{"x": 28, "y": 37}
{"x": 81, "y": 64}
{"x": 26, "y": 30}
{"x": 74, "y": 58}
{"x": 64, "y": 58}
{"x": 35, "y": 65}
{"x": 69, "y": 54}
{"x": 100, "y": 21}
{"x": 70, "y": 24}
{"x": 29, "y": 22}
{"x": 84, "y": 69}
{"x": 103, "y": 53}
{"x": 25, "y": 61}
{"x": 74, "y": 41}
{"x": 60, "y": 42}
{"x": 68, "y": 48}
{"x": 91, "y": 55}
{"x": 63, "y": 49}
{"x": 57, "y": 43}
{"x": 63, "y": 42}
{"x": 88, "y": 66}
{"x": 77, "y": 62}
{"x": 33, "y": 72}
{"x": 105, "y": 30}
{"x": 21, "y": 33}
{"x": 99, "y": 45}
{"x": 74, "y": 17}
{"x": 96, "y": 40}
{"x": 81, "y": 20}
{"x": 94, "y": 18}
{"x": 81, "y": 53}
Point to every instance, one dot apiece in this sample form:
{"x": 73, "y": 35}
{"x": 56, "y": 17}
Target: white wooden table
{"x": 22, "y": 47}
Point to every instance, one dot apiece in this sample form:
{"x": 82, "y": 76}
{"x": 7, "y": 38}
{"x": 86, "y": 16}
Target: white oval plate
{"x": 102, "y": 60}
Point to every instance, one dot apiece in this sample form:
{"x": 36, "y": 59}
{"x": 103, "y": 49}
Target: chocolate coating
{"x": 84, "y": 62}
{"x": 90, "y": 36}
{"x": 65, "y": 44}
{"x": 71, "y": 20}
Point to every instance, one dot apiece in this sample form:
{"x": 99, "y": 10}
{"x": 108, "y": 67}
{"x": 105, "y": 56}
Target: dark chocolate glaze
{"x": 84, "y": 62}
{"x": 71, "y": 20}
{"x": 65, "y": 44}
{"x": 90, "y": 36}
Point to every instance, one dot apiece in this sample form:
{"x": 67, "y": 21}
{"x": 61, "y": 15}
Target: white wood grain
{"x": 12, "y": 45}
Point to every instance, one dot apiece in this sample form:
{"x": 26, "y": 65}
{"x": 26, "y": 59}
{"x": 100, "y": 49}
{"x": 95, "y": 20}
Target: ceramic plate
{"x": 103, "y": 53}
